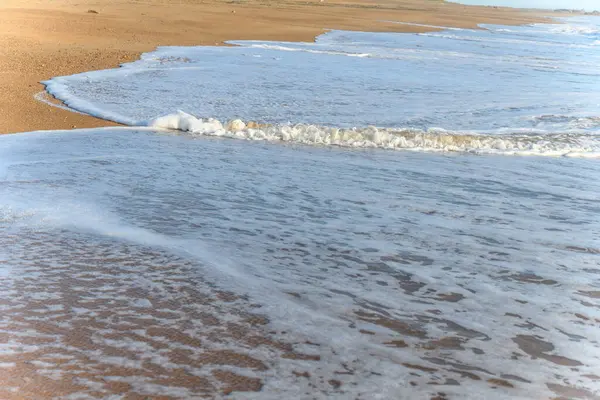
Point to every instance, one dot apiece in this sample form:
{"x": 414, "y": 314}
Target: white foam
{"x": 188, "y": 123}
{"x": 60, "y": 89}
{"x": 43, "y": 97}
{"x": 432, "y": 140}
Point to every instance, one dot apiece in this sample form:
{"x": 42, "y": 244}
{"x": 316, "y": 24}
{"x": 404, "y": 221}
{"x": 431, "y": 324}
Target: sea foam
{"x": 432, "y": 140}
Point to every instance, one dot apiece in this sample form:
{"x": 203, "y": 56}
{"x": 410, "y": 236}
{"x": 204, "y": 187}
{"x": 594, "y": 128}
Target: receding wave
{"x": 432, "y": 140}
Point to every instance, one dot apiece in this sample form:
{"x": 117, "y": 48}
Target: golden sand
{"x": 40, "y": 39}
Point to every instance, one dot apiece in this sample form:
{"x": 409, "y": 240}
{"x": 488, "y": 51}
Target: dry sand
{"x": 40, "y": 39}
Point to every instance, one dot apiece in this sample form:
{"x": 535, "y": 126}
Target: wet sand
{"x": 41, "y": 39}
{"x": 121, "y": 318}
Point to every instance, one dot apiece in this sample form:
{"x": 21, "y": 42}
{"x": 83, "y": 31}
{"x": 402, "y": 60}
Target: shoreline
{"x": 39, "y": 41}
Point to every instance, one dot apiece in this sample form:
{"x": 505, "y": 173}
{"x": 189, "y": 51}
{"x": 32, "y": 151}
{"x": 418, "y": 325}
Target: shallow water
{"x": 530, "y": 90}
{"x": 407, "y": 274}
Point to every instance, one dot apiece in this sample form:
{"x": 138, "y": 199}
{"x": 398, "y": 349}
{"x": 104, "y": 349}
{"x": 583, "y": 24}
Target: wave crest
{"x": 432, "y": 140}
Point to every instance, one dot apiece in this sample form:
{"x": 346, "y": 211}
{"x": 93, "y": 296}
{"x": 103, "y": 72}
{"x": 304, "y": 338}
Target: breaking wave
{"x": 431, "y": 140}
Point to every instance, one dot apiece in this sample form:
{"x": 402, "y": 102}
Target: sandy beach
{"x": 41, "y": 39}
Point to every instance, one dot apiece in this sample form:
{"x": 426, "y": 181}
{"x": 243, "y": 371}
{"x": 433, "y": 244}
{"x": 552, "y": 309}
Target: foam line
{"x": 432, "y": 140}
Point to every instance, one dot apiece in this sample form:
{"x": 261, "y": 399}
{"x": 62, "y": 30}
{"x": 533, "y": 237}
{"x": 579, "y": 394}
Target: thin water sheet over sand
{"x": 351, "y": 274}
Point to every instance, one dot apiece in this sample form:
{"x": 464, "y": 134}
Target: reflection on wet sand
{"x": 114, "y": 318}
{"x": 101, "y": 318}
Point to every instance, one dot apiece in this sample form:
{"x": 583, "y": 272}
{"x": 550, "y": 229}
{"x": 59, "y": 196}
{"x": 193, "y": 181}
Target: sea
{"x": 369, "y": 216}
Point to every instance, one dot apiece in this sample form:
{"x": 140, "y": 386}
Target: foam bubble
{"x": 188, "y": 123}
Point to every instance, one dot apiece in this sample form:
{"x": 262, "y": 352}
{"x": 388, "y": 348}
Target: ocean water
{"x": 508, "y": 90}
{"x": 166, "y": 259}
